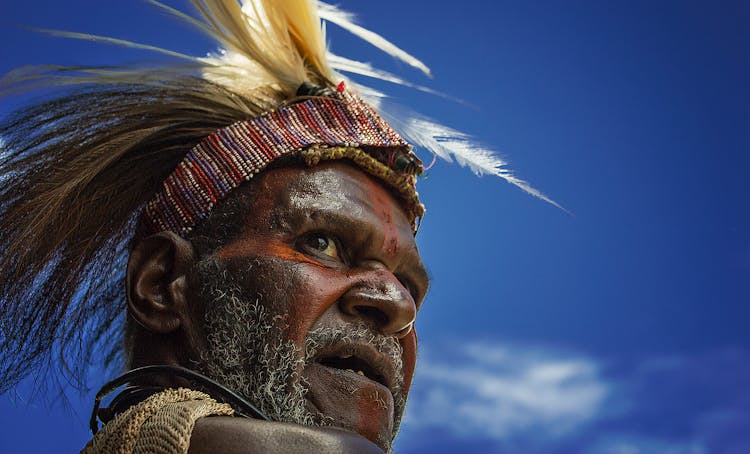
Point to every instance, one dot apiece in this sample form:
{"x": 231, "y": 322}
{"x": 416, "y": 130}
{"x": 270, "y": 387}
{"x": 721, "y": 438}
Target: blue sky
{"x": 621, "y": 328}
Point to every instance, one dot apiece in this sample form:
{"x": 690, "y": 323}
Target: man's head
{"x": 306, "y": 306}
{"x": 273, "y": 277}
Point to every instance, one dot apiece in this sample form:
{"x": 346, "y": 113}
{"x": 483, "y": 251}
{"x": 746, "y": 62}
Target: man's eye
{"x": 321, "y": 244}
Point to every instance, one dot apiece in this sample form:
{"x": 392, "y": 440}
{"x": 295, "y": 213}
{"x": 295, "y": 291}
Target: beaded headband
{"x": 338, "y": 126}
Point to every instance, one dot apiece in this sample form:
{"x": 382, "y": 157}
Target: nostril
{"x": 372, "y": 313}
{"x": 383, "y": 303}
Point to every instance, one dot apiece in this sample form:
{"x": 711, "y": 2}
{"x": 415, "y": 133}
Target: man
{"x": 307, "y": 309}
{"x": 262, "y": 217}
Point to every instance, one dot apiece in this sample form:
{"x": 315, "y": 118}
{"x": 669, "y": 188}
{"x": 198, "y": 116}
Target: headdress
{"x": 338, "y": 126}
{"x": 159, "y": 146}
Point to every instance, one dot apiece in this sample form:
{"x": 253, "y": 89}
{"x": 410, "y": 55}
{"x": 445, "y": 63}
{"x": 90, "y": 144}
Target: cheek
{"x": 409, "y": 344}
{"x": 290, "y": 284}
{"x": 316, "y": 289}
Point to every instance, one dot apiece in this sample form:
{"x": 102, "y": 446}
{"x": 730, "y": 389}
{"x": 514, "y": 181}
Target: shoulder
{"x": 240, "y": 435}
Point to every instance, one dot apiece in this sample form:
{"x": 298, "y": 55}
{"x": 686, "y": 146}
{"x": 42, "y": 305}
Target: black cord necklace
{"x": 241, "y": 406}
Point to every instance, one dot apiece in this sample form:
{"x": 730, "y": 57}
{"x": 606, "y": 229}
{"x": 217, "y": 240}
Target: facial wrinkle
{"x": 382, "y": 210}
{"x": 304, "y": 196}
{"x": 248, "y": 351}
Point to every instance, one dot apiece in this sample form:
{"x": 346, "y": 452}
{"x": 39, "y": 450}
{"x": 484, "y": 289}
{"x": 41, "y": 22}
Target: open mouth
{"x": 360, "y": 361}
{"x": 354, "y": 364}
{"x": 355, "y": 384}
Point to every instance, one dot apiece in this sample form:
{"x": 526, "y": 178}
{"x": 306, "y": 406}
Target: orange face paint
{"x": 309, "y": 293}
{"x": 250, "y": 247}
{"x": 374, "y": 410}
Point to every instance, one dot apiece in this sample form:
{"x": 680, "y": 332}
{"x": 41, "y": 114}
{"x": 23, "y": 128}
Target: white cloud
{"x": 614, "y": 444}
{"x": 502, "y": 392}
{"x": 509, "y": 397}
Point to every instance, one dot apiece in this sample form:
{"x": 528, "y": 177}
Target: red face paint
{"x": 374, "y": 244}
{"x": 383, "y": 208}
{"x": 409, "y": 344}
{"x": 374, "y": 413}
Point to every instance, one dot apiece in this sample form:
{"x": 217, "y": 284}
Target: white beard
{"x": 248, "y": 352}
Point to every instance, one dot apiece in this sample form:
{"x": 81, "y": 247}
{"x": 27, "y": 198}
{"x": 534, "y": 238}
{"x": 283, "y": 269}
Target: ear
{"x": 156, "y": 281}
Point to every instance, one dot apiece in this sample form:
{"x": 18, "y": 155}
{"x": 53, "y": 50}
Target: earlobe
{"x": 157, "y": 284}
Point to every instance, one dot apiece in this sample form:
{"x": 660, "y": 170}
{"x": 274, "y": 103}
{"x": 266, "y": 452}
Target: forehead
{"x": 333, "y": 189}
{"x": 330, "y": 187}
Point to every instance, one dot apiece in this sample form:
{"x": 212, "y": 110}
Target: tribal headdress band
{"x": 338, "y": 126}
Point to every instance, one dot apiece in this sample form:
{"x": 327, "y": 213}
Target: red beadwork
{"x": 226, "y": 158}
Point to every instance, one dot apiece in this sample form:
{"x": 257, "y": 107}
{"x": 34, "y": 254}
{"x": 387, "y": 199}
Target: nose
{"x": 383, "y": 302}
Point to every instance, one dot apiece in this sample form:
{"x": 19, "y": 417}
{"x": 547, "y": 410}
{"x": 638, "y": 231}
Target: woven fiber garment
{"x": 161, "y": 424}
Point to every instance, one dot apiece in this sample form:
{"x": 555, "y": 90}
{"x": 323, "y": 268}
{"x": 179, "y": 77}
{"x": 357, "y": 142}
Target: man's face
{"x": 309, "y": 311}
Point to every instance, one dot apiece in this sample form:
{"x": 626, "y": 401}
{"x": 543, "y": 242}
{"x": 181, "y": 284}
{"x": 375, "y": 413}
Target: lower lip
{"x": 353, "y": 401}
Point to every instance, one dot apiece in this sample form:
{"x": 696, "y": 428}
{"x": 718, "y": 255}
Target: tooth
{"x": 359, "y": 372}
{"x": 345, "y": 356}
{"x": 349, "y": 370}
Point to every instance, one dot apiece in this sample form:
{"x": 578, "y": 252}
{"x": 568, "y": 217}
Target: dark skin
{"x": 341, "y": 252}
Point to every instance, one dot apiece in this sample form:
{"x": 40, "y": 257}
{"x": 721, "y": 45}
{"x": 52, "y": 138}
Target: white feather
{"x": 348, "y": 65}
{"x": 346, "y": 21}
{"x": 372, "y": 96}
{"x": 449, "y": 144}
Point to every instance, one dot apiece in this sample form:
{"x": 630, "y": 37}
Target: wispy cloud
{"x": 503, "y": 391}
{"x": 619, "y": 444}
{"x": 508, "y": 397}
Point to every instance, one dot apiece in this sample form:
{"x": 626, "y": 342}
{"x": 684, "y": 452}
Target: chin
{"x": 354, "y": 381}
{"x": 349, "y": 400}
